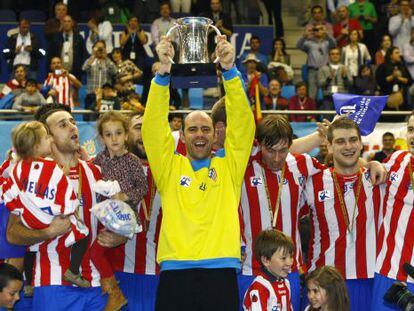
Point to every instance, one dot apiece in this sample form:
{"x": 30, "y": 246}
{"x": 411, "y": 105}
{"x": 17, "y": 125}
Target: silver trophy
{"x": 193, "y": 68}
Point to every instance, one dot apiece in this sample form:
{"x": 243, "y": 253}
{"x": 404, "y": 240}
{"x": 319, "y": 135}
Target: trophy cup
{"x": 194, "y": 69}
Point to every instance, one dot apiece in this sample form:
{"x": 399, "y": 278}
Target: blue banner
{"x": 363, "y": 110}
{"x": 240, "y": 40}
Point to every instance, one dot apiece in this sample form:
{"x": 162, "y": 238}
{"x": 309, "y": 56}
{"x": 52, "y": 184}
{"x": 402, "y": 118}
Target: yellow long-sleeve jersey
{"x": 200, "y": 224}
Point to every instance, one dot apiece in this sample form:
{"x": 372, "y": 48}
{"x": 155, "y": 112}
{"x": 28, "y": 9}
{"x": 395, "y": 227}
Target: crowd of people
{"x": 233, "y": 215}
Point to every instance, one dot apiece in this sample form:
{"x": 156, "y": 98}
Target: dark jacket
{"x": 79, "y": 51}
{"x": 10, "y": 53}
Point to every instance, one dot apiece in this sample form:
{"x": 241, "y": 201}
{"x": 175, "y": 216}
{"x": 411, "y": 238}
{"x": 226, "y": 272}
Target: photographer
{"x": 61, "y": 83}
{"x": 100, "y": 70}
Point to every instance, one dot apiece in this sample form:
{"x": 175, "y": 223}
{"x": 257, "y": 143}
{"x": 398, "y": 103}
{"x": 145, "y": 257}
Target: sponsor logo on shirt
{"x": 256, "y": 181}
{"x": 185, "y": 181}
{"x": 36, "y": 188}
{"x": 394, "y": 177}
{"x": 324, "y": 195}
{"x": 212, "y": 174}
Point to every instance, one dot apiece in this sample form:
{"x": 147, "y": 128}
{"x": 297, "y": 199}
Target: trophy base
{"x": 194, "y": 75}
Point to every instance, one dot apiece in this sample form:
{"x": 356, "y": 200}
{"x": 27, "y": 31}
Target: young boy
{"x": 270, "y": 290}
{"x": 31, "y": 99}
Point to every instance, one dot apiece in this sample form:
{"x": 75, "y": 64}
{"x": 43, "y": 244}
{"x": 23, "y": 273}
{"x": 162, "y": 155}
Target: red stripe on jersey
{"x": 44, "y": 179}
{"x": 361, "y": 244}
{"x": 62, "y": 187}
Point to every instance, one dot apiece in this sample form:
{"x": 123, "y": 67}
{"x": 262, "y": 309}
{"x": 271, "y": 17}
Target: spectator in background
{"x": 127, "y": 74}
{"x": 176, "y": 121}
{"x": 400, "y": 25}
{"x": 364, "y": 12}
{"x": 278, "y": 53}
{"x": 273, "y": 100}
{"x": 61, "y": 83}
{"x": 183, "y": 6}
{"x": 11, "y": 282}
{"x": 132, "y": 43}
{"x": 160, "y": 26}
{"x": 386, "y": 43}
{"x": 274, "y": 10}
{"x": 107, "y": 98}
{"x": 408, "y": 53}
{"x": 323, "y": 152}
{"x": 333, "y": 78}
{"x": 364, "y": 83}
{"x": 99, "y": 29}
{"x": 23, "y": 48}
{"x": 317, "y": 44}
{"x": 317, "y": 20}
{"x": 54, "y": 25}
{"x": 255, "y": 50}
{"x": 17, "y": 85}
{"x": 30, "y": 99}
{"x": 344, "y": 26}
{"x": 69, "y": 45}
{"x": 388, "y": 141}
{"x": 253, "y": 77}
{"x": 334, "y": 7}
{"x": 355, "y": 54}
{"x": 221, "y": 20}
{"x": 100, "y": 70}
{"x": 301, "y": 101}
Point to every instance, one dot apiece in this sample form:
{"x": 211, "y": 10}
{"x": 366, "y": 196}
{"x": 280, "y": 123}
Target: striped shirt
{"x": 352, "y": 251}
{"x": 260, "y": 187}
{"x": 396, "y": 239}
{"x": 62, "y": 85}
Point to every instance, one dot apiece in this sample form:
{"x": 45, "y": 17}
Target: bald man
{"x": 199, "y": 242}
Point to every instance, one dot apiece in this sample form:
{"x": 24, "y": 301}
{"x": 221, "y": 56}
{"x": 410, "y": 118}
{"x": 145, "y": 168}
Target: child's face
{"x": 317, "y": 295}
{"x": 279, "y": 264}
{"x": 31, "y": 89}
{"x": 114, "y": 137}
{"x": 43, "y": 149}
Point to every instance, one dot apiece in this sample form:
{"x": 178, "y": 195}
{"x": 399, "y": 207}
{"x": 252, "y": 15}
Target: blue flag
{"x": 363, "y": 110}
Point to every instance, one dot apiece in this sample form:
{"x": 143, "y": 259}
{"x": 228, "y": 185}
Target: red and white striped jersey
{"x": 138, "y": 255}
{"x": 396, "y": 238}
{"x": 63, "y": 87}
{"x": 352, "y": 253}
{"x": 264, "y": 295}
{"x": 255, "y": 203}
{"x": 53, "y": 257}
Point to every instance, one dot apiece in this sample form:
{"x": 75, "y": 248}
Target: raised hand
{"x": 225, "y": 52}
{"x": 165, "y": 52}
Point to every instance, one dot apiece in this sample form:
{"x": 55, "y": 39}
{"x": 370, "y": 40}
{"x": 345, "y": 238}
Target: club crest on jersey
{"x": 324, "y": 195}
{"x": 212, "y": 174}
{"x": 394, "y": 177}
{"x": 256, "y": 181}
{"x": 185, "y": 181}
{"x": 285, "y": 181}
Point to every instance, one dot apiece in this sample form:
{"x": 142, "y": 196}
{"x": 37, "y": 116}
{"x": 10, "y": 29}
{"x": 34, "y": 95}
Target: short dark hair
{"x": 18, "y": 66}
{"x": 8, "y": 273}
{"x": 218, "y": 112}
{"x": 274, "y": 129}
{"x": 255, "y": 38}
{"x": 173, "y": 115}
{"x": 342, "y": 123}
{"x": 46, "y": 110}
{"x": 99, "y": 41}
{"x": 270, "y": 241}
{"x": 31, "y": 82}
{"x": 299, "y": 85}
{"x": 165, "y": 3}
{"x": 316, "y": 7}
{"x": 388, "y": 134}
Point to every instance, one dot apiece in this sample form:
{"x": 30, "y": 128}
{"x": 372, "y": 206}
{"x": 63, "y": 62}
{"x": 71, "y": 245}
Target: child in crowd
{"x": 270, "y": 290}
{"x": 117, "y": 164}
{"x": 107, "y": 99}
{"x": 38, "y": 191}
{"x": 327, "y": 290}
{"x": 31, "y": 99}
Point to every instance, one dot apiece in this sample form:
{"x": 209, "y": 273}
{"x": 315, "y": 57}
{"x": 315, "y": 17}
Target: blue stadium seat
{"x": 33, "y": 15}
{"x": 319, "y": 95}
{"x": 139, "y": 88}
{"x": 7, "y": 16}
{"x": 195, "y": 97}
{"x": 288, "y": 91}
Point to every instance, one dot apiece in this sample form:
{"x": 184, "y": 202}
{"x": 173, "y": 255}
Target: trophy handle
{"x": 219, "y": 34}
{"x": 168, "y": 34}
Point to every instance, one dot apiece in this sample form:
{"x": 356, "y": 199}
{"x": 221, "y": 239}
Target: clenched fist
{"x": 225, "y": 52}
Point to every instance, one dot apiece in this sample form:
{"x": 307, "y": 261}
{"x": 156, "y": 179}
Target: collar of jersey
{"x": 199, "y": 164}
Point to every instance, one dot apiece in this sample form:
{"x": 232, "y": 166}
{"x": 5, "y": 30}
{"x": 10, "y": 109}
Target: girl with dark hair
{"x": 278, "y": 52}
{"x": 355, "y": 54}
{"x": 99, "y": 29}
{"x": 386, "y": 43}
{"x": 11, "y": 281}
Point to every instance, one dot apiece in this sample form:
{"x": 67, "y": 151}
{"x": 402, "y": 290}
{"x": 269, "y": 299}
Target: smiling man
{"x": 344, "y": 210}
{"x": 199, "y": 243}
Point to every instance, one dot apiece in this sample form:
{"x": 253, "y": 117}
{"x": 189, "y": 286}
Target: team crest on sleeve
{"x": 394, "y": 177}
{"x": 185, "y": 181}
{"x": 212, "y": 174}
{"x": 256, "y": 181}
{"x": 324, "y": 195}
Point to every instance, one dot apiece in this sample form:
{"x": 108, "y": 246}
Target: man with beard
{"x": 345, "y": 214}
{"x": 199, "y": 245}
{"x": 51, "y": 291}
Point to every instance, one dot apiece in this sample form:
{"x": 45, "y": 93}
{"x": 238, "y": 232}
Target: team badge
{"x": 212, "y": 174}
{"x": 256, "y": 181}
{"x": 394, "y": 177}
{"x": 185, "y": 181}
{"x": 324, "y": 195}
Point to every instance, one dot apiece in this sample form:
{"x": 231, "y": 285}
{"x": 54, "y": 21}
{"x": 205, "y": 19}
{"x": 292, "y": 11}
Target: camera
{"x": 399, "y": 295}
{"x": 58, "y": 72}
{"x": 315, "y": 29}
{"x": 100, "y": 49}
